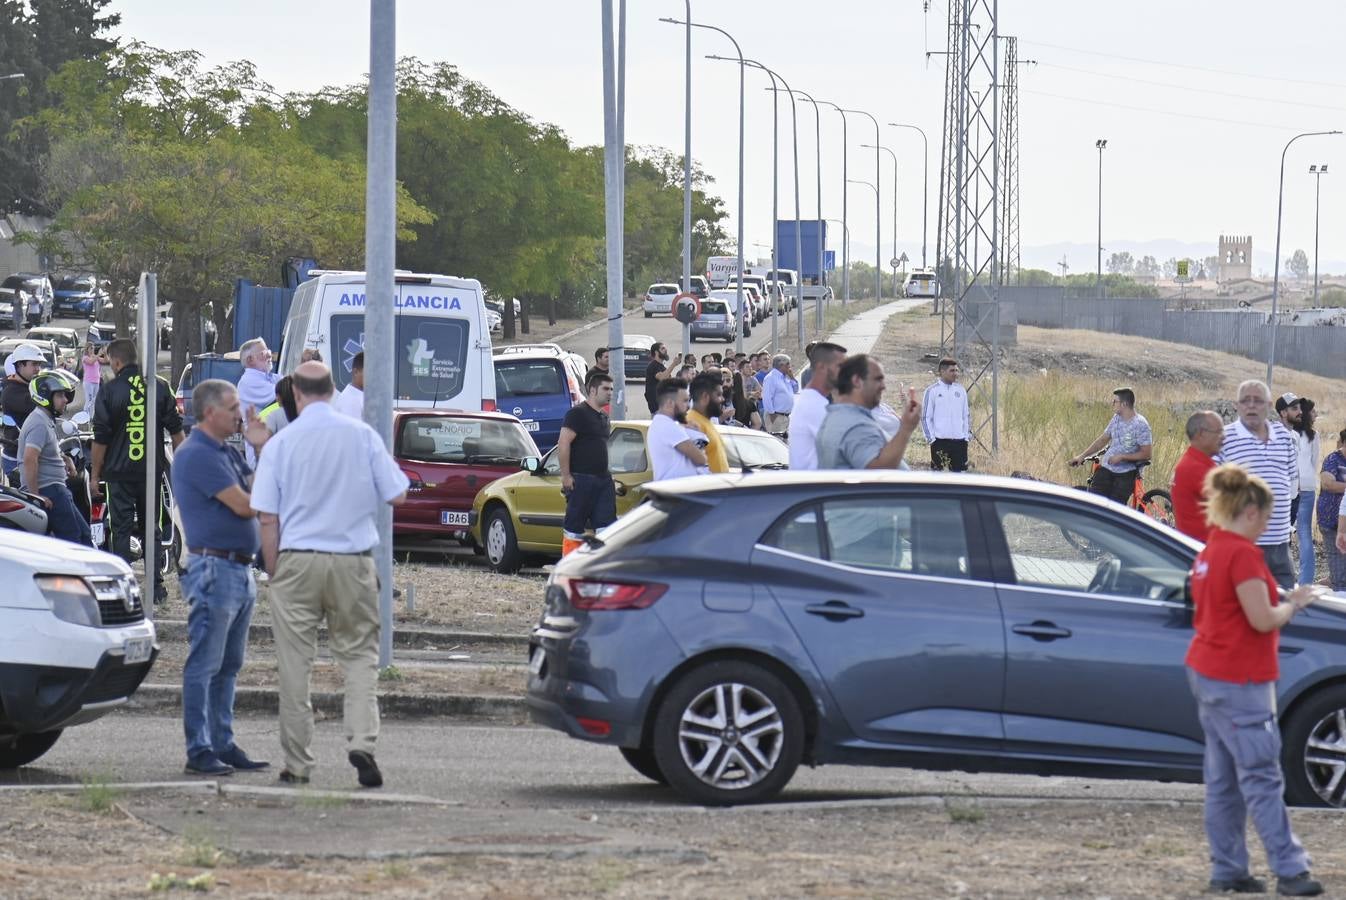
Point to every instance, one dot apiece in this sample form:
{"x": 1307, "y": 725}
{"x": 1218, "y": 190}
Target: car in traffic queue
{"x": 753, "y": 299}
{"x": 922, "y": 620}
{"x": 51, "y": 353}
{"x": 449, "y": 456}
{"x": 79, "y": 295}
{"x": 74, "y": 641}
{"x": 67, "y": 340}
{"x": 636, "y": 355}
{"x": 713, "y": 326}
{"x": 537, "y": 384}
{"x": 659, "y": 299}
{"x": 519, "y": 517}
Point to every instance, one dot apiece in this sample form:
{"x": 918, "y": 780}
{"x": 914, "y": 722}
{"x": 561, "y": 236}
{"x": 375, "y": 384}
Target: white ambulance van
{"x": 441, "y": 340}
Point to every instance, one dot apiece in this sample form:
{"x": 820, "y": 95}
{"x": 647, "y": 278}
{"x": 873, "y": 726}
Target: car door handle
{"x": 1042, "y": 631}
{"x": 834, "y": 609}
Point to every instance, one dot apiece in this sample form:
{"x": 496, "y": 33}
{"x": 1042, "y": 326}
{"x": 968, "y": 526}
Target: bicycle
{"x": 1155, "y": 503}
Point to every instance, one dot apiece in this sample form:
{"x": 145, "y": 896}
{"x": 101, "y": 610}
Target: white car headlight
{"x": 71, "y": 599}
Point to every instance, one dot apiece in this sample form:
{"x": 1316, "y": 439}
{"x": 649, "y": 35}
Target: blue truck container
{"x": 261, "y": 311}
{"x": 811, "y": 233}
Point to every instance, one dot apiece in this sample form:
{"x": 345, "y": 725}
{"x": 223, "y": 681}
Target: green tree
{"x": 1121, "y": 263}
{"x": 1298, "y": 264}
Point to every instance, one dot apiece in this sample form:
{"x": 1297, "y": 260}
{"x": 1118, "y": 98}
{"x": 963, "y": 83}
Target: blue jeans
{"x": 221, "y": 594}
{"x": 1242, "y": 769}
{"x": 64, "y": 519}
{"x": 1304, "y": 528}
{"x": 592, "y": 502}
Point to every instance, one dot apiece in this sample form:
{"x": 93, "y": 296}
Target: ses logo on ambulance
{"x": 420, "y": 356}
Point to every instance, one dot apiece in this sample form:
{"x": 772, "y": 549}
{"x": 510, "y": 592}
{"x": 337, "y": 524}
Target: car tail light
{"x": 416, "y": 483}
{"x": 488, "y": 405}
{"x": 595, "y": 727}
{"x": 649, "y": 299}
{"x": 588, "y": 593}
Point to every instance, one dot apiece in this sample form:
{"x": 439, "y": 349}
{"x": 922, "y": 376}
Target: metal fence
{"x": 1320, "y": 349}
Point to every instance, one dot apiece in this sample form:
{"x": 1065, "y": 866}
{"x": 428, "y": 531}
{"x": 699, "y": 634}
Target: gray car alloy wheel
{"x": 731, "y": 736}
{"x": 497, "y": 542}
{"x": 1325, "y": 758}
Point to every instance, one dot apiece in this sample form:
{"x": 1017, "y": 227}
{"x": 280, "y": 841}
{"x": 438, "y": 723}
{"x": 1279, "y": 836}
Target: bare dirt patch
{"x": 51, "y": 847}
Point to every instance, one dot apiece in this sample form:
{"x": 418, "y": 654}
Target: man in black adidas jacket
{"x": 120, "y": 444}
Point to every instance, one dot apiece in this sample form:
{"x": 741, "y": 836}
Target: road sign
{"x": 1182, "y": 269}
{"x": 829, "y": 260}
{"x": 897, "y": 261}
{"x": 686, "y": 308}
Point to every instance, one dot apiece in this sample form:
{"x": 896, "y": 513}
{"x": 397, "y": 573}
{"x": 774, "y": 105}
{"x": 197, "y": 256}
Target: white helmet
{"x": 27, "y": 353}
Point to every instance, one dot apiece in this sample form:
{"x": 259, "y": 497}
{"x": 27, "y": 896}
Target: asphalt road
{"x": 498, "y": 766}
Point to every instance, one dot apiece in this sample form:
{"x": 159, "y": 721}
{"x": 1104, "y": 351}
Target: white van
{"x": 442, "y": 338}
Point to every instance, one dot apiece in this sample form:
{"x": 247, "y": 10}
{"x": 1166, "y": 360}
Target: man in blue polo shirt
{"x": 212, "y": 485}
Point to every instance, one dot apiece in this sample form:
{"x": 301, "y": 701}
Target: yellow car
{"x": 520, "y": 516}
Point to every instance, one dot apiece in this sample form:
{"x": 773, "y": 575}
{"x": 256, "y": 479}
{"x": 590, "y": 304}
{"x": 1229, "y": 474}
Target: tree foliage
{"x": 1298, "y": 264}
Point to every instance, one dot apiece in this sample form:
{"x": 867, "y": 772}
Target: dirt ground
{"x": 59, "y": 847}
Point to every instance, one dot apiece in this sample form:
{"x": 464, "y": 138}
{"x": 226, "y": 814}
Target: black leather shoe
{"x": 1245, "y": 885}
{"x": 207, "y": 765}
{"x": 240, "y": 760}
{"x": 288, "y": 777}
{"x": 1301, "y": 885}
{"x": 367, "y": 769}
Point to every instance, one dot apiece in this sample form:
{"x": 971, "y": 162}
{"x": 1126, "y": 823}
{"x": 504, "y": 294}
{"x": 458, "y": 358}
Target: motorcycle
{"x": 22, "y": 511}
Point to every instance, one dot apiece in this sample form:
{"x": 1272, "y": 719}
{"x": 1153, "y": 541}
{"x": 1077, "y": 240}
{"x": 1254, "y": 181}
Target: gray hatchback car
{"x": 903, "y": 619}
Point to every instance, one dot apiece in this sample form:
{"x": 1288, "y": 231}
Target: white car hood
{"x": 20, "y": 552}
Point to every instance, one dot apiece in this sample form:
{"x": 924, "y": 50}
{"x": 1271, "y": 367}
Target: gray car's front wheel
{"x": 1313, "y": 751}
{"x": 24, "y": 748}
{"x": 729, "y": 732}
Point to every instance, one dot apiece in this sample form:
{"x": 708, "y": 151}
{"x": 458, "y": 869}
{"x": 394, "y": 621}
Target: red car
{"x": 449, "y": 455}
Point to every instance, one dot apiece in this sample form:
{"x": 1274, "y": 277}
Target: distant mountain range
{"x": 1083, "y": 257}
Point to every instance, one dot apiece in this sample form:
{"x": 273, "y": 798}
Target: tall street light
{"x": 738, "y": 311}
{"x": 775, "y": 181}
{"x": 845, "y": 235}
{"x": 1276, "y": 276}
{"x": 878, "y": 211}
{"x": 893, "y": 261}
{"x": 687, "y": 183}
{"x": 1101, "y": 144}
{"x": 799, "y": 238}
{"x": 878, "y": 280}
{"x": 1317, "y": 172}
{"x": 845, "y": 244}
{"x": 818, "y": 141}
{"x": 925, "y": 176}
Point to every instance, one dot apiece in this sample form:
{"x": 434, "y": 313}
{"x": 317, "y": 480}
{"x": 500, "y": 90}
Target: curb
{"x": 409, "y": 638}
{"x": 211, "y": 786}
{"x": 155, "y": 699}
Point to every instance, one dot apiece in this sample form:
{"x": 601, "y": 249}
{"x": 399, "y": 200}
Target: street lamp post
{"x": 1276, "y": 272}
{"x": 687, "y": 183}
{"x": 845, "y": 243}
{"x": 894, "y": 259}
{"x": 738, "y": 313}
{"x": 1317, "y": 172}
{"x": 1101, "y": 144}
{"x": 878, "y": 208}
{"x": 818, "y": 140}
{"x": 845, "y": 237}
{"x": 925, "y": 176}
{"x": 799, "y": 238}
{"x": 875, "y": 189}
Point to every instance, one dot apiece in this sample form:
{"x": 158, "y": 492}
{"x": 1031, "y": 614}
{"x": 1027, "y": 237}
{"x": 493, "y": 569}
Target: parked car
{"x": 659, "y": 299}
{"x": 227, "y": 367}
{"x": 449, "y": 456}
{"x": 636, "y": 355}
{"x": 79, "y": 296}
{"x": 520, "y": 515}
{"x": 31, "y": 294}
{"x": 494, "y": 323}
{"x": 538, "y": 383}
{"x": 906, "y": 619}
{"x": 67, "y": 340}
{"x": 74, "y": 642}
{"x": 498, "y": 306}
{"x": 50, "y": 352}
{"x": 700, "y": 287}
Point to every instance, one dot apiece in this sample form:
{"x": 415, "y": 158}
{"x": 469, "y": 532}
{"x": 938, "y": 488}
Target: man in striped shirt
{"x": 1266, "y": 448}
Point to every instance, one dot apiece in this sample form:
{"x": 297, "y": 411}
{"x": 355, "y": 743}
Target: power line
{"x": 1182, "y": 87}
{"x": 1162, "y": 112}
{"x": 1189, "y": 66}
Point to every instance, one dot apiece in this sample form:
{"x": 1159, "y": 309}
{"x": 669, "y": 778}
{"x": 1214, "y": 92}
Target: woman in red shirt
{"x": 1232, "y": 667}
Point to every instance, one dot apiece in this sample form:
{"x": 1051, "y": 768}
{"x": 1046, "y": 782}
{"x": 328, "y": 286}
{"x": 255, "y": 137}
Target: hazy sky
{"x": 1196, "y": 99}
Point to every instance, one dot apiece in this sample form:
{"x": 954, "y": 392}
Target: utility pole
{"x": 925, "y": 191}
{"x": 1101, "y": 144}
{"x": 614, "y": 173}
{"x": 1317, "y": 172}
{"x": 878, "y": 208}
{"x": 687, "y": 184}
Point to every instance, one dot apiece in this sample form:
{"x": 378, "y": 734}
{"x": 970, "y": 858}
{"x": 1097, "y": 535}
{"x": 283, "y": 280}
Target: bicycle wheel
{"x": 1158, "y": 505}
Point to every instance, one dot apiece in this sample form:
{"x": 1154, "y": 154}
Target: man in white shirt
{"x": 946, "y": 422}
{"x": 351, "y": 400}
{"x": 675, "y": 450}
{"x": 811, "y": 405}
{"x": 778, "y": 394}
{"x": 317, "y": 543}
{"x": 257, "y": 384}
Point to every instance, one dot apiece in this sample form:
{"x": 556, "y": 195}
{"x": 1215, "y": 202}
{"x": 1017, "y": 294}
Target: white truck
{"x": 720, "y": 270}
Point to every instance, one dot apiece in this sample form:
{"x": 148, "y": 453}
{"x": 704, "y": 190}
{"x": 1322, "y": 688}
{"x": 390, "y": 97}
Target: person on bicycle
{"x": 1130, "y": 443}
{"x": 120, "y": 445}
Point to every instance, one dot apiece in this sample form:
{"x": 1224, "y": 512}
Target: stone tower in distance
{"x": 1236, "y": 258}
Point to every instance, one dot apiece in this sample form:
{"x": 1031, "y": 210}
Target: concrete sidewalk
{"x": 859, "y": 334}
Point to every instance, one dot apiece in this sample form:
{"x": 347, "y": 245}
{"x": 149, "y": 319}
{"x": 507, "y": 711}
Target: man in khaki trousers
{"x": 319, "y": 485}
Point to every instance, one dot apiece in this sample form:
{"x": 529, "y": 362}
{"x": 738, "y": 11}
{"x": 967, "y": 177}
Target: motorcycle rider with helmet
{"x": 16, "y": 402}
{"x": 43, "y": 470}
